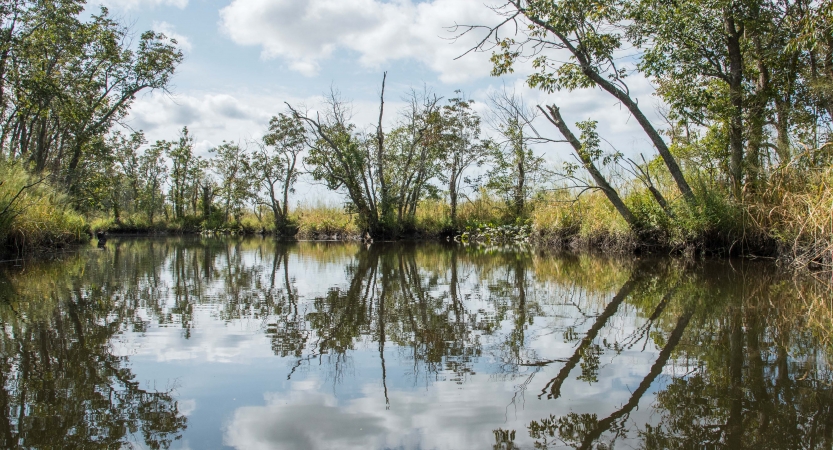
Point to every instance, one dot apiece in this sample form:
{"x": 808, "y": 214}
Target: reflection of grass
{"x": 35, "y": 288}
{"x": 818, "y": 304}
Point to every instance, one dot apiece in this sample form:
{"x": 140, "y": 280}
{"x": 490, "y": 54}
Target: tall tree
{"x": 414, "y": 150}
{"x": 182, "y": 158}
{"x": 463, "y": 146}
{"x": 590, "y": 34}
{"x": 735, "y": 66}
{"x": 154, "y": 171}
{"x": 232, "y": 165}
{"x": 381, "y": 175}
{"x": 342, "y": 159}
{"x": 275, "y": 162}
{"x": 65, "y": 80}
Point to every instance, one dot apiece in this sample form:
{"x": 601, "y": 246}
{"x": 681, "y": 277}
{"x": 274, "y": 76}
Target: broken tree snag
{"x": 554, "y": 116}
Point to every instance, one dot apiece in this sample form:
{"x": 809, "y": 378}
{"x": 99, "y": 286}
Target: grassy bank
{"x": 790, "y": 219}
{"x": 787, "y": 216}
{"x": 33, "y": 215}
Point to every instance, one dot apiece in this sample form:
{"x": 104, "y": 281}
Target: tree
{"x": 382, "y": 178}
{"x": 414, "y": 151}
{"x": 588, "y": 151}
{"x": 126, "y": 150}
{"x": 154, "y": 171}
{"x": 182, "y": 160}
{"x": 340, "y": 157}
{"x": 589, "y": 33}
{"x": 231, "y": 164}
{"x": 275, "y": 164}
{"x": 737, "y": 67}
{"x": 515, "y": 168}
{"x": 463, "y": 146}
{"x": 64, "y": 81}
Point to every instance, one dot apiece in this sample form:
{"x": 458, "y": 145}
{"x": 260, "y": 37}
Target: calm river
{"x": 252, "y": 344}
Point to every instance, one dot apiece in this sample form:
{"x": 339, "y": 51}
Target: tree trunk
{"x": 520, "y": 187}
{"x": 757, "y": 116}
{"x": 782, "y": 128}
{"x": 385, "y": 203}
{"x": 452, "y": 193}
{"x": 733, "y": 36}
{"x": 633, "y": 107}
{"x": 554, "y": 116}
{"x": 206, "y": 202}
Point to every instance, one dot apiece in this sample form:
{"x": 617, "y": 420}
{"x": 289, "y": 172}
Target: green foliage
{"x": 462, "y": 146}
{"x": 183, "y": 162}
{"x": 233, "y": 166}
{"x": 67, "y": 80}
{"x": 516, "y": 173}
{"x": 154, "y": 172}
{"x": 384, "y": 176}
{"x": 274, "y": 164}
{"x": 33, "y": 214}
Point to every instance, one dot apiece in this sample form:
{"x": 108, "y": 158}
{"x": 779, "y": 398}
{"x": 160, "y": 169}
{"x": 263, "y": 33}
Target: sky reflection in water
{"x": 252, "y": 344}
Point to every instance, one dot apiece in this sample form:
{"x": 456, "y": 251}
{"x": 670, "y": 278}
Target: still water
{"x": 252, "y": 344}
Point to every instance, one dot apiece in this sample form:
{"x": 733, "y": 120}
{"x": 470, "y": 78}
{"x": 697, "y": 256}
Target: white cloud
{"x": 306, "y": 33}
{"x": 213, "y": 117}
{"x": 143, "y": 4}
{"x": 210, "y": 117}
{"x": 170, "y": 31}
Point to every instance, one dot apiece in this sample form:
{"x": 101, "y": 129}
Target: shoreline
{"x": 609, "y": 246}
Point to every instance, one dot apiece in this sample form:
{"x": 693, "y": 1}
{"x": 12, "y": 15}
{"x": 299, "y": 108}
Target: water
{"x": 252, "y": 344}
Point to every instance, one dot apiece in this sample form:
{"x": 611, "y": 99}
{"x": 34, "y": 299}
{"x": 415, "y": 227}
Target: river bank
{"x": 790, "y": 221}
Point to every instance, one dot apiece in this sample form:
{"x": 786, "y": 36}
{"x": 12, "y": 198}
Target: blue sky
{"x": 245, "y": 58}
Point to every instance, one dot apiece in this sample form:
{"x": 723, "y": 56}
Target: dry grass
{"x": 796, "y": 209}
{"x": 559, "y": 219}
{"x": 33, "y": 214}
{"x": 324, "y": 221}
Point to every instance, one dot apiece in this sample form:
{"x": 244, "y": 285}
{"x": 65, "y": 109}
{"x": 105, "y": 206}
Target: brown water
{"x": 252, "y": 344}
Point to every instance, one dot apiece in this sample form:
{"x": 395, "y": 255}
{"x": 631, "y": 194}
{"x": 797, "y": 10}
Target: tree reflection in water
{"x": 733, "y": 362}
{"x": 747, "y": 373}
{"x": 61, "y": 385}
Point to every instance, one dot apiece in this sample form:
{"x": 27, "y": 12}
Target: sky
{"x": 245, "y": 58}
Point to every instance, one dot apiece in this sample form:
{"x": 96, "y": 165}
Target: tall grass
{"x": 33, "y": 214}
{"x": 796, "y": 209}
{"x": 561, "y": 218}
{"x": 321, "y": 220}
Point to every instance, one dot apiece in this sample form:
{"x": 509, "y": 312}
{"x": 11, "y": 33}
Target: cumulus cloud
{"x": 211, "y": 117}
{"x": 215, "y": 116}
{"x": 306, "y": 33}
{"x": 143, "y": 4}
{"x": 170, "y": 31}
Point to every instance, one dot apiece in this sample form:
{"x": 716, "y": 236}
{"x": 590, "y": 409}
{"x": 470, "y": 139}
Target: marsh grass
{"x": 321, "y": 220}
{"x": 796, "y": 209}
{"x": 788, "y": 214}
{"x": 33, "y": 214}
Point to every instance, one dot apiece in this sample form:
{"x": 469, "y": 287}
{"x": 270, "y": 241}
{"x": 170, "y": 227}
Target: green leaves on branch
{"x": 64, "y": 81}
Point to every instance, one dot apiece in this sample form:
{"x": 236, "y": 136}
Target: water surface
{"x": 252, "y": 344}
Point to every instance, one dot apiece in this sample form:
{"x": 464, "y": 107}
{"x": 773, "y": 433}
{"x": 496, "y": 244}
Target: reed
{"x": 33, "y": 214}
{"x": 322, "y": 220}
